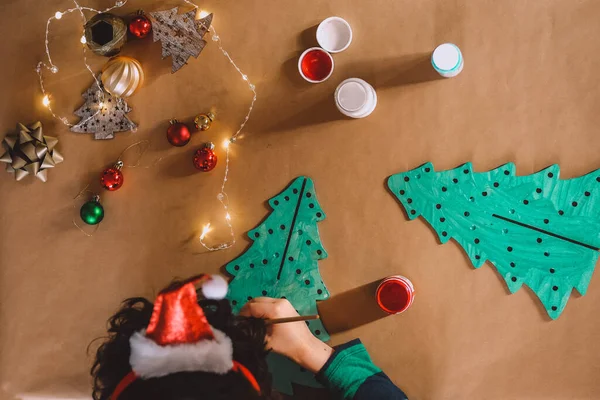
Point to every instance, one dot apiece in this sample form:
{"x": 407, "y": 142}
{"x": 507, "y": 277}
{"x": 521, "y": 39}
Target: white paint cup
{"x": 334, "y": 34}
{"x": 355, "y": 98}
{"x": 447, "y": 60}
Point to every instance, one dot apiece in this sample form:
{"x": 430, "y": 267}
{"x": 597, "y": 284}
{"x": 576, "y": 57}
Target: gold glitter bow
{"x": 28, "y": 151}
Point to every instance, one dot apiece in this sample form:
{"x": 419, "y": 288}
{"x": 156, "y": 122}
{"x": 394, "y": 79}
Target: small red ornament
{"x": 112, "y": 178}
{"x": 178, "y": 134}
{"x": 140, "y": 26}
{"x": 205, "y": 158}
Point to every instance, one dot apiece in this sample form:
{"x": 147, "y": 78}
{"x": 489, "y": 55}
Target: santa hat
{"x": 180, "y": 339}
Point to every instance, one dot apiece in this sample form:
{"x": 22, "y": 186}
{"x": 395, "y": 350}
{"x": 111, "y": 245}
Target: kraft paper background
{"x": 529, "y": 93}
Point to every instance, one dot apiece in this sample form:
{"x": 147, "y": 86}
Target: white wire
{"x": 222, "y": 196}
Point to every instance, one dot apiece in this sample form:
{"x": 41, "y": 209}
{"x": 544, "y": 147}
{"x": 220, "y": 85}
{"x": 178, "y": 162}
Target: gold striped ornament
{"x": 121, "y": 76}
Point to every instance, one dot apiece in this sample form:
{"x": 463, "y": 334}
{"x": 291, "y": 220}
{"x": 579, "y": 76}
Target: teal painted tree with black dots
{"x": 282, "y": 262}
{"x": 537, "y": 230}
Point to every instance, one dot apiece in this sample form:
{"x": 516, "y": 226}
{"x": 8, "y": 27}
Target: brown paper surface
{"x": 528, "y": 94}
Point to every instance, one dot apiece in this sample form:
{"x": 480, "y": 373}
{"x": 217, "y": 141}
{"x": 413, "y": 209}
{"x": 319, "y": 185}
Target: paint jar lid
{"x": 352, "y": 96}
{"x": 355, "y": 98}
{"x": 334, "y": 34}
{"x": 446, "y": 58}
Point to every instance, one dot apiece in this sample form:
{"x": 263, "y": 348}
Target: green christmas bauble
{"x": 92, "y": 212}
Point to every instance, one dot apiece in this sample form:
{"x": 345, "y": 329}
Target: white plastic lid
{"x": 334, "y": 34}
{"x": 446, "y": 57}
{"x": 352, "y": 96}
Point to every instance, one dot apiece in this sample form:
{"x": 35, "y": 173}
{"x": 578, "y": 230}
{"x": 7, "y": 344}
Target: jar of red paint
{"x": 395, "y": 294}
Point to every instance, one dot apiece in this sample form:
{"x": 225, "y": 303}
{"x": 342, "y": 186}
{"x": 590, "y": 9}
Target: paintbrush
{"x": 290, "y": 319}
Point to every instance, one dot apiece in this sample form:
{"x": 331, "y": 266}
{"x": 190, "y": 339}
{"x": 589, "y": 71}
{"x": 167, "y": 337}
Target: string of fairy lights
{"x": 47, "y": 100}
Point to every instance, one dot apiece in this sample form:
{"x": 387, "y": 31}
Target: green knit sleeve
{"x": 348, "y": 368}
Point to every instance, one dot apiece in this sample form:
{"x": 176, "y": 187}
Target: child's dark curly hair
{"x": 247, "y": 335}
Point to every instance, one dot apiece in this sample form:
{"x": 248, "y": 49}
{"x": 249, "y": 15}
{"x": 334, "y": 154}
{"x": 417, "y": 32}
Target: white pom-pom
{"x": 215, "y": 288}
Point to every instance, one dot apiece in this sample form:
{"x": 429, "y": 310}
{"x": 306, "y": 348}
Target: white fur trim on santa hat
{"x": 215, "y": 287}
{"x": 150, "y": 360}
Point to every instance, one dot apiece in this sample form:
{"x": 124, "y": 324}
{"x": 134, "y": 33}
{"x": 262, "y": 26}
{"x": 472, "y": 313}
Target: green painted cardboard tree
{"x": 282, "y": 262}
{"x": 536, "y": 230}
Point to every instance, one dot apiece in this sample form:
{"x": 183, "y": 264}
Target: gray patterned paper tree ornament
{"x": 181, "y": 35}
{"x": 102, "y": 114}
{"x": 537, "y": 230}
{"x": 282, "y": 262}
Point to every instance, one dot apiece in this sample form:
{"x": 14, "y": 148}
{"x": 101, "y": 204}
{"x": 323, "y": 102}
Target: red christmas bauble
{"x": 140, "y": 26}
{"x": 205, "y": 158}
{"x": 178, "y": 134}
{"x": 112, "y": 178}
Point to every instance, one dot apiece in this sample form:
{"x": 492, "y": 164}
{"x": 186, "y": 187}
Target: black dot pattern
{"x": 459, "y": 203}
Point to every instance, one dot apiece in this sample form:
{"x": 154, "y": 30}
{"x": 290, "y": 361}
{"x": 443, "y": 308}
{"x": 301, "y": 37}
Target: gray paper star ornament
{"x": 29, "y": 152}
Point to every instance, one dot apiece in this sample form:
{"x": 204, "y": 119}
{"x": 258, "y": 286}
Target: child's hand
{"x": 291, "y": 339}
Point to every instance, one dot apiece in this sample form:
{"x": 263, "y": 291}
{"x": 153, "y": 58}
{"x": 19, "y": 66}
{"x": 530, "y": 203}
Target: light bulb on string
{"x": 222, "y": 195}
{"x": 205, "y": 231}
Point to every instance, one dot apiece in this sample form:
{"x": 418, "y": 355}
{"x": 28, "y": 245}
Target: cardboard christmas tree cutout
{"x": 537, "y": 230}
{"x": 282, "y": 262}
{"x": 102, "y": 114}
{"x": 181, "y": 35}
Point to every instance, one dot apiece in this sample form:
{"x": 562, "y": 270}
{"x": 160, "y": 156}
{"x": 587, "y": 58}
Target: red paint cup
{"x": 395, "y": 294}
{"x": 315, "y": 65}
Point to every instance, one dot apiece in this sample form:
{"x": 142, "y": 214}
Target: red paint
{"x": 316, "y": 65}
{"x": 395, "y": 294}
